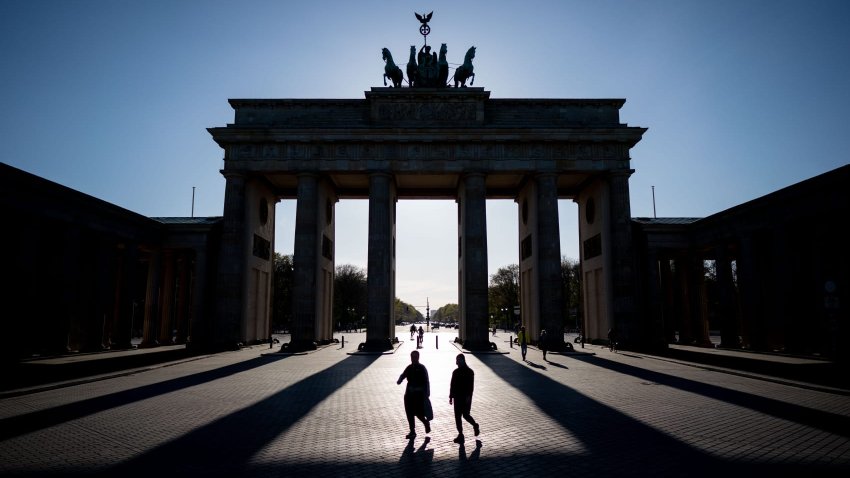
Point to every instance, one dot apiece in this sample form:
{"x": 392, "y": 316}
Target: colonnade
{"x": 314, "y": 263}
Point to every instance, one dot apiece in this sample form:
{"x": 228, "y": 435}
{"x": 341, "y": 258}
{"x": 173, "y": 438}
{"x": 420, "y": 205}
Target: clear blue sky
{"x": 113, "y": 97}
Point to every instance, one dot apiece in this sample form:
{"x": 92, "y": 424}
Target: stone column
{"x": 624, "y": 313}
{"x": 305, "y": 261}
{"x": 684, "y": 278}
{"x": 166, "y": 307}
{"x": 698, "y": 299}
{"x": 152, "y": 294}
{"x": 182, "y": 312}
{"x": 67, "y": 314}
{"x": 655, "y": 319}
{"x": 670, "y": 319}
{"x": 199, "y": 326}
{"x": 473, "y": 262}
{"x": 380, "y": 282}
{"x": 125, "y": 301}
{"x": 749, "y": 290}
{"x": 226, "y": 330}
{"x": 726, "y": 298}
{"x": 104, "y": 293}
{"x": 551, "y": 291}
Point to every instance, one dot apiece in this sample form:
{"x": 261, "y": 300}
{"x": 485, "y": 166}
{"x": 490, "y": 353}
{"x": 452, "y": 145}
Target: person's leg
{"x": 468, "y": 418}
{"x": 458, "y": 414}
{"x": 409, "y": 412}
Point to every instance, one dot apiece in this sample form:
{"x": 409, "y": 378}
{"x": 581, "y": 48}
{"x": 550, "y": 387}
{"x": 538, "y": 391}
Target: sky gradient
{"x": 113, "y": 98}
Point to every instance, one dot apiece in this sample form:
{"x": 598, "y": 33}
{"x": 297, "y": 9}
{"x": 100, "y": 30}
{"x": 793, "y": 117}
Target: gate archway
{"x": 424, "y": 143}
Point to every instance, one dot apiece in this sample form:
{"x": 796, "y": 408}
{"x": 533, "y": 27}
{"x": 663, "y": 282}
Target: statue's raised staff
{"x": 391, "y": 70}
{"x": 465, "y": 71}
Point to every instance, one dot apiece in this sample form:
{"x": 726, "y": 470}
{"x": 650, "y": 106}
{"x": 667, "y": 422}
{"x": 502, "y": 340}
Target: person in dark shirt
{"x": 460, "y": 394}
{"x": 418, "y": 389}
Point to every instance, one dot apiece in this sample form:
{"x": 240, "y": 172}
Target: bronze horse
{"x": 391, "y": 71}
{"x": 465, "y": 71}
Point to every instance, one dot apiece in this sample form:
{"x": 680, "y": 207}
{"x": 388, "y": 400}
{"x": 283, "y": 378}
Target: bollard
{"x": 437, "y": 341}
{"x": 343, "y": 342}
{"x": 511, "y": 339}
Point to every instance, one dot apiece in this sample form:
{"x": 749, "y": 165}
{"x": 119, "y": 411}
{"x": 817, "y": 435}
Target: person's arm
{"x": 402, "y": 377}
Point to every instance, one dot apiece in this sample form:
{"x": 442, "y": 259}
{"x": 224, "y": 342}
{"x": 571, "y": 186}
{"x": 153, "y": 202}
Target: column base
{"x": 298, "y": 346}
{"x": 479, "y": 345}
{"x": 375, "y": 345}
{"x": 559, "y": 346}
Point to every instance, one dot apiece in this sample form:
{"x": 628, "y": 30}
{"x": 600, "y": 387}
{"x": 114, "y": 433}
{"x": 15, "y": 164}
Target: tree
{"x": 405, "y": 312}
{"x": 282, "y": 292}
{"x": 350, "y": 295}
{"x": 571, "y": 284}
{"x": 446, "y": 314}
{"x": 503, "y": 294}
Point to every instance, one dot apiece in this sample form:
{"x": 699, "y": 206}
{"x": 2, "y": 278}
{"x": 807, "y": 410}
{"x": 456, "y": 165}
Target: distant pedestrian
{"x": 412, "y": 331}
{"x": 460, "y": 394}
{"x": 421, "y": 337}
{"x": 494, "y": 331}
{"x": 612, "y": 339}
{"x": 522, "y": 338}
{"x": 542, "y": 343}
{"x": 417, "y": 391}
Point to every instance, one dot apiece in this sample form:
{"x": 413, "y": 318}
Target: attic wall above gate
{"x": 426, "y": 138}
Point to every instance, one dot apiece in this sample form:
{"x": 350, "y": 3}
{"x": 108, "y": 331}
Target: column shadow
{"x": 615, "y": 444}
{"x": 29, "y": 422}
{"x": 826, "y": 421}
{"x": 227, "y": 444}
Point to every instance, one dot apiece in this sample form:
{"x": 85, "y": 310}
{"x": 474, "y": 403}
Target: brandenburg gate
{"x": 424, "y": 143}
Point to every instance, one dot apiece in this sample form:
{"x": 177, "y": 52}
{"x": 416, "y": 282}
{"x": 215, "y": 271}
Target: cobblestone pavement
{"x": 333, "y": 413}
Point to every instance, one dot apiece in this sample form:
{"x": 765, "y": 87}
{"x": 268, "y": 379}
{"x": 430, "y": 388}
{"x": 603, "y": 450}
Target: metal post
{"x": 343, "y": 342}
{"x": 653, "y": 203}
{"x": 511, "y": 339}
{"x": 437, "y": 341}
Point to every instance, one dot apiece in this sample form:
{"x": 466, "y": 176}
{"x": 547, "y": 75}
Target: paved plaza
{"x": 333, "y": 412}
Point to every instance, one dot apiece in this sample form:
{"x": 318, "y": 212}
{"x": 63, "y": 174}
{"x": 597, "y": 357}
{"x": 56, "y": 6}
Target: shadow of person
{"x": 474, "y": 456}
{"x": 407, "y": 454}
{"x": 556, "y": 364}
{"x": 532, "y": 364}
{"x": 476, "y": 453}
{"x": 424, "y": 455}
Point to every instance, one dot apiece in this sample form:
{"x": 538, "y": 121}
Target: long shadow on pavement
{"x": 829, "y": 422}
{"x": 615, "y": 444}
{"x": 34, "y": 421}
{"x": 225, "y": 446}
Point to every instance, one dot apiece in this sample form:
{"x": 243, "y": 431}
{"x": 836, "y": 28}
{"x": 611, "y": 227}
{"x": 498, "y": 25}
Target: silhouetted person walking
{"x": 542, "y": 343}
{"x": 522, "y": 338}
{"x": 418, "y": 388}
{"x": 612, "y": 339}
{"x": 460, "y": 392}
